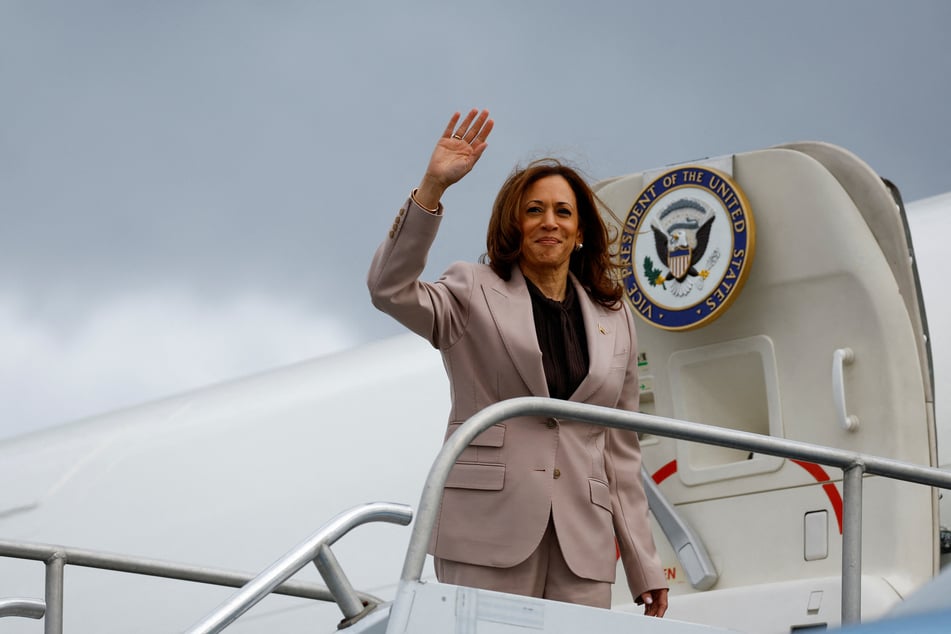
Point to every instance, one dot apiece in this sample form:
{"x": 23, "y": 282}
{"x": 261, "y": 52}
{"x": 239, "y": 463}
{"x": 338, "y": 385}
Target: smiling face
{"x": 548, "y": 217}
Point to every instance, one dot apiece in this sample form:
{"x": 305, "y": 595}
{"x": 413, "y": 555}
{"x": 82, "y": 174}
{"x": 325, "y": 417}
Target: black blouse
{"x": 559, "y": 327}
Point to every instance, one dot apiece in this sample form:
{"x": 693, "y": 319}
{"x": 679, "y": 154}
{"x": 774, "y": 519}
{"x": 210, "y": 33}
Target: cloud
{"x": 144, "y": 346}
{"x": 250, "y": 151}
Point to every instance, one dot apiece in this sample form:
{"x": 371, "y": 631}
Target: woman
{"x": 533, "y": 506}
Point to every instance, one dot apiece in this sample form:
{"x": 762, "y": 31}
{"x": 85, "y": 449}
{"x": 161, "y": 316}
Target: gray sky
{"x": 192, "y": 191}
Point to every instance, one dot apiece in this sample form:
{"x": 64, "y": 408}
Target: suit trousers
{"x": 545, "y": 574}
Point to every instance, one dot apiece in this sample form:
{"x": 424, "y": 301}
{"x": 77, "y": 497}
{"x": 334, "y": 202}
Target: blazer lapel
{"x": 511, "y": 308}
{"x": 599, "y": 328}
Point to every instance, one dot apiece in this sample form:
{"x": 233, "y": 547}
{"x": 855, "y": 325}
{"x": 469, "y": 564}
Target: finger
{"x": 463, "y": 128}
{"x": 648, "y": 603}
{"x": 475, "y": 128}
{"x": 452, "y": 124}
{"x": 479, "y": 144}
{"x": 484, "y": 131}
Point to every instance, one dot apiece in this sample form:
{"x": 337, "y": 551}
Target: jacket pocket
{"x": 600, "y": 494}
{"x": 494, "y": 436}
{"x": 486, "y": 447}
{"x": 481, "y": 477}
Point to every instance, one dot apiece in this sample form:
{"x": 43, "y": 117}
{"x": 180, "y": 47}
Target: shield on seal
{"x": 679, "y": 262}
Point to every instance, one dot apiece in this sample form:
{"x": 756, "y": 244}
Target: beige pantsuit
{"x": 518, "y": 474}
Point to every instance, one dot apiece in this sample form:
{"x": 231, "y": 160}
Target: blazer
{"x": 514, "y": 476}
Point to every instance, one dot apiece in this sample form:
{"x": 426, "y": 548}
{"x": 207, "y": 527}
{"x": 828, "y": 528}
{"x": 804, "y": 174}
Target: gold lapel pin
{"x": 602, "y": 329}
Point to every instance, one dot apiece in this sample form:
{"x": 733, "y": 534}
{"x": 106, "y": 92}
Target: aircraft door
{"x": 777, "y": 296}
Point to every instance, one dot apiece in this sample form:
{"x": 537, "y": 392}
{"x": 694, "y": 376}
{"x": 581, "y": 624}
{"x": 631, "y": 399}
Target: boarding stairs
{"x": 422, "y": 607}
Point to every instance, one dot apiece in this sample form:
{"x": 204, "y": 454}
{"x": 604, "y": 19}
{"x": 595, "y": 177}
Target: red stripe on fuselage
{"x": 816, "y": 471}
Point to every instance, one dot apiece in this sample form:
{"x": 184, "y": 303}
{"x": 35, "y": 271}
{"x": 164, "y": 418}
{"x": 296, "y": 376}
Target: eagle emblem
{"x": 686, "y": 247}
{"x": 681, "y": 234}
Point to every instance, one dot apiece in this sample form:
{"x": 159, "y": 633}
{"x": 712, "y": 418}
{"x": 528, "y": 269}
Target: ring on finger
{"x": 457, "y": 136}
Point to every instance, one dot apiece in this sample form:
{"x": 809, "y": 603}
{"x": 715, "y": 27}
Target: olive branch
{"x": 654, "y": 276}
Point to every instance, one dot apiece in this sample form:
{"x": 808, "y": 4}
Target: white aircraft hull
{"x": 231, "y": 476}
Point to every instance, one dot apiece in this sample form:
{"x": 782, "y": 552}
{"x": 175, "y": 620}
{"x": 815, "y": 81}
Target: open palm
{"x": 455, "y": 154}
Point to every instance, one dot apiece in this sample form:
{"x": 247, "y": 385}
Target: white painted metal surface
{"x": 437, "y": 607}
{"x": 231, "y": 475}
{"x": 828, "y": 275}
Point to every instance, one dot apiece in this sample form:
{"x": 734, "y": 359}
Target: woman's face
{"x": 548, "y": 216}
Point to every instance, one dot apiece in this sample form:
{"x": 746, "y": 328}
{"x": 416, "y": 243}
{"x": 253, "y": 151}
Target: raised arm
{"x": 456, "y": 153}
{"x": 430, "y": 310}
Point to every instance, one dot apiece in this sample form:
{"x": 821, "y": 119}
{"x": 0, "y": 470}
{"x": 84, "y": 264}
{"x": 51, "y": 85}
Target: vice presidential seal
{"x": 686, "y": 247}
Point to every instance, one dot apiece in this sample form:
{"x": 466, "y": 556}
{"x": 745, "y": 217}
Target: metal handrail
{"x": 29, "y": 608}
{"x": 690, "y": 551}
{"x": 315, "y": 548}
{"x": 157, "y": 568}
{"x": 853, "y": 464}
{"x": 57, "y": 557}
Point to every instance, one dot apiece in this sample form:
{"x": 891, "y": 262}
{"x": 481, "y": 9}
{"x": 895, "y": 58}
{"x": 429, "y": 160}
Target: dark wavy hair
{"x": 593, "y": 265}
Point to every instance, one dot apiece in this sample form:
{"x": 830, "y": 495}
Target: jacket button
{"x": 557, "y": 473}
{"x": 551, "y": 423}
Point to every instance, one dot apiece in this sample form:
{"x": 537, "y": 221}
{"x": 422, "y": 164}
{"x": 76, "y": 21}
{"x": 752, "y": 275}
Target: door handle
{"x": 841, "y": 358}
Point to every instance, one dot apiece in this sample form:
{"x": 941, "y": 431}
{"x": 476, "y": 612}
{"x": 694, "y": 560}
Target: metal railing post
{"x": 298, "y": 557}
{"x": 852, "y": 543}
{"x": 337, "y": 582}
{"x": 53, "y": 623}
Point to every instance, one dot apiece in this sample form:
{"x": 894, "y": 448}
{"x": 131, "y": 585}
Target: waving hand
{"x": 454, "y": 156}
